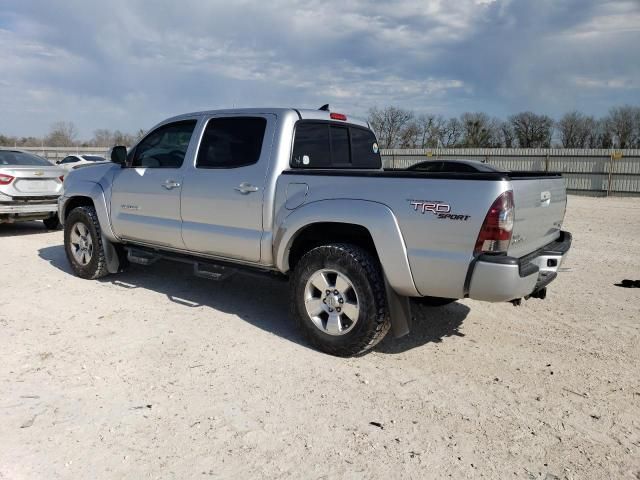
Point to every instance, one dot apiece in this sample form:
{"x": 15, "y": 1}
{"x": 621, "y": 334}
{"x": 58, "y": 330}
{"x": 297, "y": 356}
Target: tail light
{"x": 338, "y": 116}
{"x": 61, "y": 177}
{"x": 5, "y": 179}
{"x": 495, "y": 234}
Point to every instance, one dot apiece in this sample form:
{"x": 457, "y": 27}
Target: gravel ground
{"x": 156, "y": 374}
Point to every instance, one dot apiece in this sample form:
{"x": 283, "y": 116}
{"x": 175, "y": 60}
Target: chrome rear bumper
{"x": 499, "y": 278}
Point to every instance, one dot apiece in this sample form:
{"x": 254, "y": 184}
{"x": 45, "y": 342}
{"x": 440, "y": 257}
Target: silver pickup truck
{"x": 301, "y": 194}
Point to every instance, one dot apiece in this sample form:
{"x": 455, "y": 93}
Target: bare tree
{"x": 507, "y": 136}
{"x": 621, "y": 125}
{"x": 62, "y": 134}
{"x": 390, "y": 124}
{"x": 449, "y": 135}
{"x": 429, "y": 129}
{"x": 479, "y": 130}
{"x": 532, "y": 130}
{"x": 102, "y": 137}
{"x": 575, "y": 130}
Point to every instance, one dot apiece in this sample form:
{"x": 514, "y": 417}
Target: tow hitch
{"x": 540, "y": 294}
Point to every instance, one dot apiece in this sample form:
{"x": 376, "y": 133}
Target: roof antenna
{"x": 324, "y": 108}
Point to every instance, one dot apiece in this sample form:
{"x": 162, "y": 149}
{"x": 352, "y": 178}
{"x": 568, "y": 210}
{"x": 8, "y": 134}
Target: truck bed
{"x": 441, "y": 249}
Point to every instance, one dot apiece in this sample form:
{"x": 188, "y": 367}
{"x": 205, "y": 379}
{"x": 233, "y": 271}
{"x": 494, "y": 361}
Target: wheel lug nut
{"x": 335, "y": 292}
{"x": 341, "y": 300}
{"x": 338, "y": 309}
{"x": 328, "y": 292}
{"x": 324, "y": 300}
{"x": 330, "y": 309}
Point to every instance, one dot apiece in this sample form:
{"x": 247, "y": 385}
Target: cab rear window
{"x": 330, "y": 145}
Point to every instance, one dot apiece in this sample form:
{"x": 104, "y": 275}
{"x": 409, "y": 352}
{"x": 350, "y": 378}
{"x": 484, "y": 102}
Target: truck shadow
{"x": 430, "y": 325}
{"x": 22, "y": 228}
{"x": 263, "y": 302}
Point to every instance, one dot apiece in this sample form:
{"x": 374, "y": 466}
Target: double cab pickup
{"x": 302, "y": 195}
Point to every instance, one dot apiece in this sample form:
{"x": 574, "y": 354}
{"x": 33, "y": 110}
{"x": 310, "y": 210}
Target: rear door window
{"x": 231, "y": 142}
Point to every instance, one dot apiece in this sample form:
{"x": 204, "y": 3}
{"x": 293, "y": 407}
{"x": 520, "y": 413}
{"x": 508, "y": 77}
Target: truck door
{"x": 145, "y": 198}
{"x": 222, "y": 196}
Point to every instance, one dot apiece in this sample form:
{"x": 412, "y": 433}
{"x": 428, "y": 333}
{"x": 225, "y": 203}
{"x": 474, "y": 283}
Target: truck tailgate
{"x": 540, "y": 204}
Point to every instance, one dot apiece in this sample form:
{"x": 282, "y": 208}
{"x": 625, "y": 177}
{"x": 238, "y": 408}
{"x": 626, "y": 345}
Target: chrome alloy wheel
{"x": 81, "y": 243}
{"x": 331, "y": 302}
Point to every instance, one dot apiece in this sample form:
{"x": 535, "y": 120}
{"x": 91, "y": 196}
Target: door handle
{"x": 245, "y": 188}
{"x": 170, "y": 184}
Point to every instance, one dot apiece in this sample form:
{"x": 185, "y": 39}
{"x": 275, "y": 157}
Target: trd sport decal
{"x": 439, "y": 209}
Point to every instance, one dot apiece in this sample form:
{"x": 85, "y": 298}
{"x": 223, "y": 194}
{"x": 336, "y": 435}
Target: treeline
{"x": 65, "y": 134}
{"x": 399, "y": 128}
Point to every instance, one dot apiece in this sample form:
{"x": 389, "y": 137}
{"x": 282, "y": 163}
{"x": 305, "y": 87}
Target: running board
{"x": 141, "y": 257}
{"x": 204, "y": 268}
{"x": 212, "y": 272}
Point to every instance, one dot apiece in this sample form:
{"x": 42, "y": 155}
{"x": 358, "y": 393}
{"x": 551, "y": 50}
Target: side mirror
{"x": 58, "y": 162}
{"x": 119, "y": 155}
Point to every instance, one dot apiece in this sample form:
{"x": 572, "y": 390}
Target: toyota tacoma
{"x": 302, "y": 195}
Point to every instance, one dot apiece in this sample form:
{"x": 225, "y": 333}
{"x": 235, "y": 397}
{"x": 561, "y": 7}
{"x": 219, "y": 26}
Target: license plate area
{"x": 36, "y": 185}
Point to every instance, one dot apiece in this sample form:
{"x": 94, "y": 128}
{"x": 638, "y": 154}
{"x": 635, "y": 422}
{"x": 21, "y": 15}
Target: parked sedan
{"x": 29, "y": 188}
{"x": 74, "y": 161}
{"x": 451, "y": 166}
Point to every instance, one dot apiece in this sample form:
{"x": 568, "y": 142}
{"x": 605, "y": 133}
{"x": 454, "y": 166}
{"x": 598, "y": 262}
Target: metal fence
{"x": 587, "y": 171}
{"x": 597, "y": 172}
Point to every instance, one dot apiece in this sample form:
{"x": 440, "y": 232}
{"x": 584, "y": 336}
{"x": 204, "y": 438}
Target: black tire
{"x": 52, "y": 223}
{"x": 433, "y": 301}
{"x": 365, "y": 274}
{"x": 97, "y": 265}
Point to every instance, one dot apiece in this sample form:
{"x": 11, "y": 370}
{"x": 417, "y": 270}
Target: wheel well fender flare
{"x": 92, "y": 191}
{"x": 376, "y": 218}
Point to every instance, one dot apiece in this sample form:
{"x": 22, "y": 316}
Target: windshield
{"x": 93, "y": 158}
{"x": 9, "y": 157}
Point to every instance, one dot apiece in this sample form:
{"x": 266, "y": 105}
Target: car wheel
{"x": 83, "y": 243}
{"x": 52, "y": 223}
{"x": 338, "y": 299}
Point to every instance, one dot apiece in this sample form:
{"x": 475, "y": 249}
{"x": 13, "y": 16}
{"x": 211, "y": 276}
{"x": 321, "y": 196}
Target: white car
{"x": 29, "y": 188}
{"x": 74, "y": 161}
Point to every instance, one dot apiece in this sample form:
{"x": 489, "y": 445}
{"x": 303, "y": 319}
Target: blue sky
{"x": 127, "y": 64}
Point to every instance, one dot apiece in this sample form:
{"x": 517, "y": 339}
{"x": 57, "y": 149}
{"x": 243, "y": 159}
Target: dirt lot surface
{"x": 156, "y": 374}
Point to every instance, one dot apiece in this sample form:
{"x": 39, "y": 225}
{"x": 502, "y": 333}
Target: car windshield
{"x": 11, "y": 157}
{"x": 93, "y": 158}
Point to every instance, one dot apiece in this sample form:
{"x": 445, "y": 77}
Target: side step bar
{"x": 141, "y": 257}
{"x": 211, "y": 270}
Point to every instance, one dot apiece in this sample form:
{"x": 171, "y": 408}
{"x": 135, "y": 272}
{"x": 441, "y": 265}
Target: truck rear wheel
{"x": 338, "y": 299}
{"x": 83, "y": 243}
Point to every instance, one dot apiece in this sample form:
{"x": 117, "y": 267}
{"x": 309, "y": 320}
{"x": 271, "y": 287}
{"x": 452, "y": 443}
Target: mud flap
{"x": 400, "y": 311}
{"x": 111, "y": 256}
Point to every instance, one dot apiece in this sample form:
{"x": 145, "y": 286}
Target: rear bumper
{"x": 21, "y": 208}
{"x": 499, "y": 278}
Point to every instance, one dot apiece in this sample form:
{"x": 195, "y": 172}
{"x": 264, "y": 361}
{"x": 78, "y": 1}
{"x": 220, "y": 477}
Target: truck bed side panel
{"x": 439, "y": 247}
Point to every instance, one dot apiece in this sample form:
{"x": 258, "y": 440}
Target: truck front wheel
{"x": 338, "y": 299}
{"x": 83, "y": 243}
